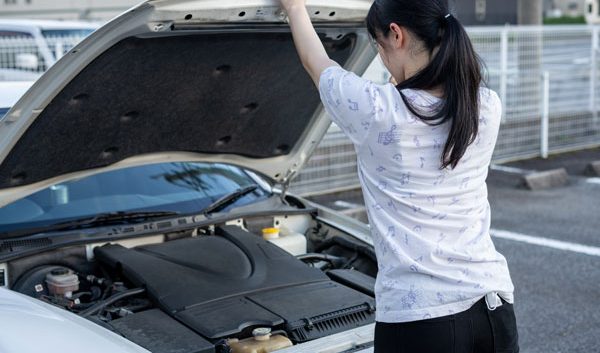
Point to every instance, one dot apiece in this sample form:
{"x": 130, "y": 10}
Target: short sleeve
{"x": 353, "y": 103}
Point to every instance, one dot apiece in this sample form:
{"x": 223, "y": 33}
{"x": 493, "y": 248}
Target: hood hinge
{"x": 285, "y": 184}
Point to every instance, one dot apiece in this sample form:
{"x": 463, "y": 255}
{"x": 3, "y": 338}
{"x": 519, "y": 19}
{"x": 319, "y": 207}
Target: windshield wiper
{"x": 229, "y": 199}
{"x": 113, "y": 218}
{"x": 98, "y": 220}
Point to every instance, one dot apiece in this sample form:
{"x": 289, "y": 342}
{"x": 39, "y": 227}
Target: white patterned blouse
{"x": 430, "y": 226}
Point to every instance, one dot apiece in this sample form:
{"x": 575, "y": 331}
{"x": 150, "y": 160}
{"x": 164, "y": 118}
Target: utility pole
{"x": 530, "y": 12}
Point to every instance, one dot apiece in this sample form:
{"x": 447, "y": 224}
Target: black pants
{"x": 477, "y": 330}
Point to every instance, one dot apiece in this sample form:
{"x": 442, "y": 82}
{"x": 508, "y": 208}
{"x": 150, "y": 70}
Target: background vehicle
{"x": 10, "y": 92}
{"x": 36, "y": 45}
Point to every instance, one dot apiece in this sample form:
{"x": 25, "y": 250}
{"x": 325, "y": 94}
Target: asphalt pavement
{"x": 551, "y": 239}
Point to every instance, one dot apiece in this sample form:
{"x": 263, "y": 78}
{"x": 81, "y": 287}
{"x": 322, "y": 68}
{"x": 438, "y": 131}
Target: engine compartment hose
{"x": 334, "y": 260}
{"x": 348, "y": 244}
{"x": 110, "y": 300}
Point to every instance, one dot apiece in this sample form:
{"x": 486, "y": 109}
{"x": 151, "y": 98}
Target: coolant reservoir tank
{"x": 262, "y": 342}
{"x": 294, "y": 243}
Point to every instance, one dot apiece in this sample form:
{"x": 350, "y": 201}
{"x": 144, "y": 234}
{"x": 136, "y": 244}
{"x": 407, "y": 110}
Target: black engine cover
{"x": 221, "y": 285}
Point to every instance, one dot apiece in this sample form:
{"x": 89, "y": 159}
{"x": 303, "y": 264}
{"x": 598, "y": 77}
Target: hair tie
{"x": 447, "y": 17}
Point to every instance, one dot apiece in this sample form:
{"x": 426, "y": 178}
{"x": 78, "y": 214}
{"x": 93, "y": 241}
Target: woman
{"x": 424, "y": 148}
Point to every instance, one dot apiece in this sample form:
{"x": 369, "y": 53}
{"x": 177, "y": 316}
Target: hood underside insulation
{"x": 233, "y": 93}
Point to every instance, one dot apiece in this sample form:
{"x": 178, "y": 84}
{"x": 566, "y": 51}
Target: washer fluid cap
{"x": 270, "y": 233}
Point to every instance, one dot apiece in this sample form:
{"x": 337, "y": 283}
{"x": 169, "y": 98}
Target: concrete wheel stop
{"x": 546, "y": 180}
{"x": 593, "y": 169}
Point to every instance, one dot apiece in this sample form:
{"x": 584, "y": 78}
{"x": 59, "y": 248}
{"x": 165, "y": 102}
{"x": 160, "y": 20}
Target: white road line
{"x": 550, "y": 243}
{"x": 512, "y": 170}
{"x": 593, "y": 180}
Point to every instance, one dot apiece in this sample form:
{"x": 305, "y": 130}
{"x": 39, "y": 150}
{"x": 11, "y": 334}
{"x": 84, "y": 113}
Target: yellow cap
{"x": 270, "y": 233}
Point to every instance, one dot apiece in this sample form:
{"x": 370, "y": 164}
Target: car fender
{"x": 29, "y": 325}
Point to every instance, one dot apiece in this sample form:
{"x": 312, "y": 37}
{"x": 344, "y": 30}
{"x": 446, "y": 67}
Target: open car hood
{"x": 179, "y": 80}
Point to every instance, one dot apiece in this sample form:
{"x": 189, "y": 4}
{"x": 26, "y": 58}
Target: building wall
{"x": 571, "y": 8}
{"x": 485, "y": 12}
{"x": 64, "y": 9}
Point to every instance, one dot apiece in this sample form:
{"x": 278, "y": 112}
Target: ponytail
{"x": 455, "y": 67}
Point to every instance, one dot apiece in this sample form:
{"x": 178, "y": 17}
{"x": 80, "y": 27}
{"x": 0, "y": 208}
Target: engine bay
{"x": 222, "y": 288}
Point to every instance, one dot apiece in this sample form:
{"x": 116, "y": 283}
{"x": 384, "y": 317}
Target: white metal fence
{"x": 548, "y": 79}
{"x": 549, "y": 82}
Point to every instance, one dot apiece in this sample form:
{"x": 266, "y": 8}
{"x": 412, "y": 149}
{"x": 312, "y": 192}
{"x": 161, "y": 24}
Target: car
{"x": 32, "y": 46}
{"x": 144, "y": 200}
{"x": 10, "y": 92}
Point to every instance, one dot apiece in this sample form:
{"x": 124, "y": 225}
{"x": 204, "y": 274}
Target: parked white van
{"x": 29, "y": 47}
{"x": 10, "y": 92}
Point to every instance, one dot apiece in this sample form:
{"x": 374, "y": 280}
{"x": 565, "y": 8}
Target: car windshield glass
{"x": 14, "y": 34}
{"x": 169, "y": 187}
{"x": 3, "y": 112}
{"x": 60, "y": 41}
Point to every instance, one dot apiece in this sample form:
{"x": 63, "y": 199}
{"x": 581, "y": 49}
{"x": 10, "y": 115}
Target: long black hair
{"x": 455, "y": 67}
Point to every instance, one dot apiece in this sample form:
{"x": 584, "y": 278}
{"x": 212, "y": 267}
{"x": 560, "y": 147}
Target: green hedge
{"x": 564, "y": 20}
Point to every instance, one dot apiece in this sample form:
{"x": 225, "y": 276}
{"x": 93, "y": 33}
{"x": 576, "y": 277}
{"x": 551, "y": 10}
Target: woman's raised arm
{"x": 309, "y": 46}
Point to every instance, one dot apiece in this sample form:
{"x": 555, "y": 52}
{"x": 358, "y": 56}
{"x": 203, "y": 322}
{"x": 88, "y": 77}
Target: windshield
{"x": 173, "y": 187}
{"x": 3, "y": 112}
{"x": 60, "y": 41}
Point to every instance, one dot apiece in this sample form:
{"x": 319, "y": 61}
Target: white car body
{"x": 51, "y": 112}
